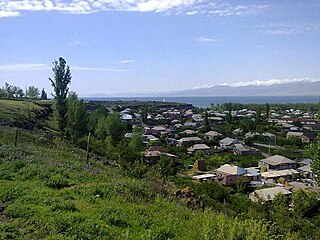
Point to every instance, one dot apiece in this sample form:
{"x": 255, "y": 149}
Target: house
{"x": 267, "y": 194}
{"x": 204, "y": 177}
{"x": 152, "y": 157}
{"x": 188, "y": 140}
{"x": 312, "y": 127}
{"x": 199, "y": 148}
{"x": 228, "y": 142}
{"x": 306, "y": 171}
{"x": 149, "y": 138}
{"x": 211, "y": 135}
{"x": 240, "y": 149}
{"x": 277, "y": 162}
{"x": 200, "y": 165}
{"x": 304, "y": 136}
{"x": 188, "y": 132}
{"x": 158, "y": 148}
{"x": 228, "y": 175}
{"x": 287, "y": 174}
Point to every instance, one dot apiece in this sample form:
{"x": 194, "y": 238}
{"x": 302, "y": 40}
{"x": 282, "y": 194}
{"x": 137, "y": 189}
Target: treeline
{"x": 10, "y": 92}
{"x": 311, "y": 107}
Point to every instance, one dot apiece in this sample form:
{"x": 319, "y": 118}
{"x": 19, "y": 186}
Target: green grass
{"x": 18, "y": 111}
{"x": 48, "y": 192}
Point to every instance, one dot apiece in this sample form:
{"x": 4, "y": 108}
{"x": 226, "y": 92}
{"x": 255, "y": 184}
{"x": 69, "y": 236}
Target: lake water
{"x": 206, "y": 101}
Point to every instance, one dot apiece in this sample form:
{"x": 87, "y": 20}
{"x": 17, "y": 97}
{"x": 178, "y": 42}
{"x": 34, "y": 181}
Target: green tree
{"x": 144, "y": 114}
{"x": 76, "y": 118}
{"x": 267, "y": 110}
{"x": 313, "y": 152}
{"x": 111, "y": 128}
{"x": 60, "y": 81}
{"x": 258, "y": 115}
{"x": 136, "y": 143}
{"x": 33, "y": 92}
{"x": 43, "y": 95}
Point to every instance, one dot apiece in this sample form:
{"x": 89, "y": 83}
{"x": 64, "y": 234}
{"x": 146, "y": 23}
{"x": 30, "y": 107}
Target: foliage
{"x": 33, "y": 92}
{"x": 60, "y": 81}
{"x": 76, "y": 117}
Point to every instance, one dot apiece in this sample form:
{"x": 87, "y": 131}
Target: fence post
{"x": 88, "y": 148}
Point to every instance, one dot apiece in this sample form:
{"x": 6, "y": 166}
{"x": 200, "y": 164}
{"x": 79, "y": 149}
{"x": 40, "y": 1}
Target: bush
{"x": 57, "y": 181}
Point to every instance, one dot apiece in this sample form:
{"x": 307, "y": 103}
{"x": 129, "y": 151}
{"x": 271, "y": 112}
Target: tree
{"x": 267, "y": 110}
{"x": 258, "y": 115}
{"x": 19, "y": 93}
{"x": 206, "y": 120}
{"x": 76, "y": 118}
{"x": 136, "y": 143}
{"x": 144, "y": 114}
{"x": 111, "y": 128}
{"x": 313, "y": 152}
{"x": 33, "y": 92}
{"x": 43, "y": 95}
{"x": 61, "y": 80}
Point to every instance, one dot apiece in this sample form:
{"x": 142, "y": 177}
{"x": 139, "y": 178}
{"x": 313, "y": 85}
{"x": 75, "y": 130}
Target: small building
{"x": 188, "y": 132}
{"x": 188, "y": 140}
{"x": 211, "y": 135}
{"x": 304, "y": 136}
{"x": 228, "y": 142}
{"x": 228, "y": 175}
{"x": 267, "y": 194}
{"x": 204, "y": 177}
{"x": 277, "y": 162}
{"x": 200, "y": 165}
{"x": 240, "y": 149}
{"x": 306, "y": 171}
{"x": 287, "y": 174}
{"x": 199, "y": 148}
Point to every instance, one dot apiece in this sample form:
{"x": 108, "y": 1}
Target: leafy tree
{"x": 111, "y": 128}
{"x": 43, "y": 95}
{"x": 136, "y": 143}
{"x": 166, "y": 166}
{"x": 267, "y": 110}
{"x": 144, "y": 114}
{"x": 61, "y": 80}
{"x": 258, "y": 115}
{"x": 206, "y": 120}
{"x": 76, "y": 118}
{"x": 313, "y": 152}
{"x": 33, "y": 92}
{"x": 19, "y": 93}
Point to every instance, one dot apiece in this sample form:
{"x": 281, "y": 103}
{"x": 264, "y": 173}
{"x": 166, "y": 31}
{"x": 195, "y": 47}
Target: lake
{"x": 206, "y": 101}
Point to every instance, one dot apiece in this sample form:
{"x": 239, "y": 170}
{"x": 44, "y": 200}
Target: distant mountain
{"x": 301, "y": 88}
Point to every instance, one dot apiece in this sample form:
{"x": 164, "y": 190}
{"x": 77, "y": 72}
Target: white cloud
{"x": 75, "y": 43}
{"x": 205, "y": 39}
{"x": 270, "y": 82}
{"x": 96, "y": 69}
{"x": 4, "y": 13}
{"x": 24, "y": 67}
{"x": 288, "y": 29}
{"x": 40, "y": 67}
{"x": 127, "y": 61}
{"x": 10, "y": 8}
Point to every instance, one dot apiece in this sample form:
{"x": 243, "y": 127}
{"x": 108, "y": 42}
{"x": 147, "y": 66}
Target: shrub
{"x": 57, "y": 181}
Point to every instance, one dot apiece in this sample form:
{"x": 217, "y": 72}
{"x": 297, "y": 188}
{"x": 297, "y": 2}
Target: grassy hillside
{"x": 47, "y": 191}
{"x": 22, "y": 112}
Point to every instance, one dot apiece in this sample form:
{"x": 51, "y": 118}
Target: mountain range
{"x": 299, "y": 88}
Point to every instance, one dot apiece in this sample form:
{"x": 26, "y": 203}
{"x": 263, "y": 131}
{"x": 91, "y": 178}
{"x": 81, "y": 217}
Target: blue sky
{"x": 116, "y": 46}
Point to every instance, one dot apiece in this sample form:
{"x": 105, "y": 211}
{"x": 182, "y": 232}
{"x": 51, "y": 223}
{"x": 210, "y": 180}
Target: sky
{"x": 146, "y": 46}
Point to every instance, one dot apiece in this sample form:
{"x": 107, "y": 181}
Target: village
{"x": 228, "y": 146}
